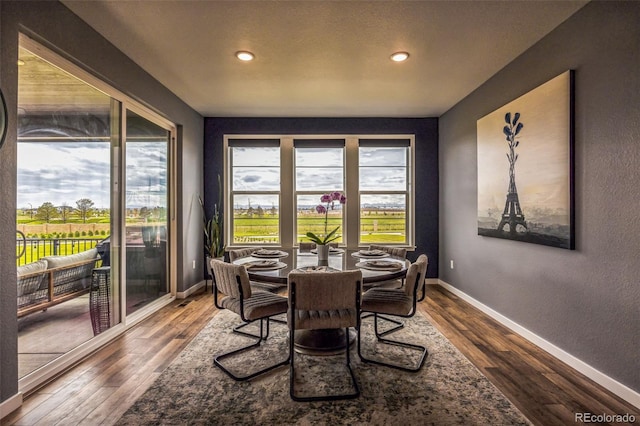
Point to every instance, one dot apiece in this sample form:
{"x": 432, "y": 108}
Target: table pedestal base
{"x": 322, "y": 342}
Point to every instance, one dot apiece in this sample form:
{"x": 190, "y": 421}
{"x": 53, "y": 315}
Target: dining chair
{"x": 423, "y": 260}
{"x": 323, "y": 300}
{"x": 306, "y": 247}
{"x": 243, "y": 252}
{"x": 258, "y": 285}
{"x": 393, "y": 251}
{"x": 394, "y": 302}
{"x": 251, "y": 305}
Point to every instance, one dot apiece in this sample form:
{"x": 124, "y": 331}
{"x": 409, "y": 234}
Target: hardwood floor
{"x": 101, "y": 388}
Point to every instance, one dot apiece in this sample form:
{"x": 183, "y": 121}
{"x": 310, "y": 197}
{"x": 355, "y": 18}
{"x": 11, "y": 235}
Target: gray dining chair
{"x": 243, "y": 252}
{"x": 250, "y": 305}
{"x": 306, "y": 247}
{"x": 399, "y": 252}
{"x": 318, "y": 301}
{"x": 393, "y": 251}
{"x": 258, "y": 285}
{"x": 394, "y": 302}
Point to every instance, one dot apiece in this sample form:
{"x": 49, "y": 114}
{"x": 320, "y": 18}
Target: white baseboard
{"x": 602, "y": 379}
{"x": 191, "y": 290}
{"x": 10, "y": 405}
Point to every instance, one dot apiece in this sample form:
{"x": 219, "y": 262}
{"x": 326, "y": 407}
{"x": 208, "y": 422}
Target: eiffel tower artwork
{"x": 512, "y": 214}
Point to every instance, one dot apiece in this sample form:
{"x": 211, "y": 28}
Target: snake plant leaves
{"x": 506, "y": 131}
{"x": 507, "y": 118}
{"x": 516, "y": 118}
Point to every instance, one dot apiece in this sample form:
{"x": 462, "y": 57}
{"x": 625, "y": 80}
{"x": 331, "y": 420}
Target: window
{"x": 276, "y": 184}
{"x": 319, "y": 168}
{"x": 255, "y": 191}
{"x": 384, "y": 190}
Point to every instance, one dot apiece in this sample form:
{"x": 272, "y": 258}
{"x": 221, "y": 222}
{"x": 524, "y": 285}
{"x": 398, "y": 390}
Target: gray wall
{"x": 426, "y": 152}
{"x": 587, "y": 301}
{"x": 55, "y": 26}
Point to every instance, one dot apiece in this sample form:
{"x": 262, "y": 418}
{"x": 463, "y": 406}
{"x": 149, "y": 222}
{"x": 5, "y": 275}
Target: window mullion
{"x": 287, "y": 196}
{"x": 352, "y": 179}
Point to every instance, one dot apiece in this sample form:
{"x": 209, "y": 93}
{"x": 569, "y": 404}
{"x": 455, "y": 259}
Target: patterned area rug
{"x": 447, "y": 390}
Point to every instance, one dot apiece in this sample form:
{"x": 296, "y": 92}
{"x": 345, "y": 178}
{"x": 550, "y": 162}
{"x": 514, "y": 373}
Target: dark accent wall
{"x": 426, "y": 152}
{"x": 56, "y": 27}
{"x": 587, "y": 301}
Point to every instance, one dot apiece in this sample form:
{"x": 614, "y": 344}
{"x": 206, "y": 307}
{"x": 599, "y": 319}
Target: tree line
{"x": 47, "y": 211}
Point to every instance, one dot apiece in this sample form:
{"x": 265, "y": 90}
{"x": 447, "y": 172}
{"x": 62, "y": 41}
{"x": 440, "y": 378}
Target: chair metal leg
{"x": 399, "y": 324}
{"x": 260, "y": 338}
{"x": 292, "y": 375}
{"x": 422, "y": 349}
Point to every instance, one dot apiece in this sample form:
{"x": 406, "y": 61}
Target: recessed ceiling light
{"x": 244, "y": 55}
{"x": 20, "y": 62}
{"x": 400, "y": 56}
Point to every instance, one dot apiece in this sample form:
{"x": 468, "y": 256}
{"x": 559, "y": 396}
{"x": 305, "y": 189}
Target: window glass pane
{"x": 319, "y": 169}
{"x": 316, "y": 179}
{"x": 256, "y": 218}
{"x": 256, "y": 179}
{"x": 147, "y": 201}
{"x": 383, "y": 179}
{"x": 383, "y": 169}
{"x": 255, "y": 169}
{"x": 256, "y": 156}
{"x": 309, "y": 220}
{"x": 383, "y": 156}
{"x": 383, "y": 218}
{"x": 64, "y": 130}
{"x": 319, "y": 157}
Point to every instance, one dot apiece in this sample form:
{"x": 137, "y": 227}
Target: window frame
{"x": 408, "y": 193}
{"x": 288, "y": 194}
{"x": 248, "y": 142}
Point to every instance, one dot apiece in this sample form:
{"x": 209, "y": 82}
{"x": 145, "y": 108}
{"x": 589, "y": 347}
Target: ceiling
{"x": 323, "y": 58}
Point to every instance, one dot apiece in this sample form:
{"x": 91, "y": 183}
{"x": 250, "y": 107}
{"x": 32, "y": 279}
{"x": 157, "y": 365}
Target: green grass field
{"x": 378, "y": 228}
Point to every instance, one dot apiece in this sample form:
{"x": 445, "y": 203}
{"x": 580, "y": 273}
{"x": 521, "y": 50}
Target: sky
{"x": 63, "y": 172}
{"x": 319, "y": 170}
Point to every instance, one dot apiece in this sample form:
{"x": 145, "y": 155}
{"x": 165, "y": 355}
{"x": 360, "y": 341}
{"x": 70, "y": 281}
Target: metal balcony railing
{"x": 31, "y": 249}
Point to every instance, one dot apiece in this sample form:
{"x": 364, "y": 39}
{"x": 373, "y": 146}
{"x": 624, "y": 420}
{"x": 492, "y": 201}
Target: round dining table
{"x": 339, "y": 259}
{"x": 274, "y": 266}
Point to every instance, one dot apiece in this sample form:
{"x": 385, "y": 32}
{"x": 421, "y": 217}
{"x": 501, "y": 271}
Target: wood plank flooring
{"x": 100, "y": 389}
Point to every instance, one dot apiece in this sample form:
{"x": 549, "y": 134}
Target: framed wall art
{"x": 525, "y": 167}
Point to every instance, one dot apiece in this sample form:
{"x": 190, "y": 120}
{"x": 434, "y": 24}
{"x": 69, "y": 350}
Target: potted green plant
{"x": 322, "y": 241}
{"x": 212, "y": 228}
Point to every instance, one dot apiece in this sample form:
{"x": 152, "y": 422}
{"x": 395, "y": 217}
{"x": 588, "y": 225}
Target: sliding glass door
{"x": 93, "y": 225}
{"x": 146, "y": 207}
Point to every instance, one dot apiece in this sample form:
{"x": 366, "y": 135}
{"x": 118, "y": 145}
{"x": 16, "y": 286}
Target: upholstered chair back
{"x": 393, "y": 251}
{"x": 423, "y": 263}
{"x": 325, "y": 299}
{"x": 412, "y": 279}
{"x": 243, "y": 252}
{"x": 226, "y": 274}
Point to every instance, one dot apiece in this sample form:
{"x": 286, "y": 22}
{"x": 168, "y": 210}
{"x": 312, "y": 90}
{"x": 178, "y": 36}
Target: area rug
{"x": 447, "y": 390}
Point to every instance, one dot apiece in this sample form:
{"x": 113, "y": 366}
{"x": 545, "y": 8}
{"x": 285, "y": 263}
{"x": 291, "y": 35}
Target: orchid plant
{"x": 327, "y": 203}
